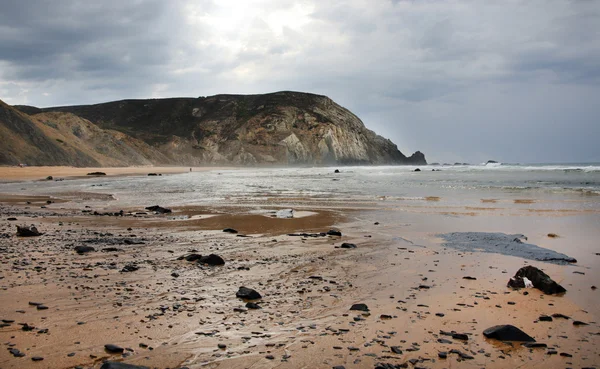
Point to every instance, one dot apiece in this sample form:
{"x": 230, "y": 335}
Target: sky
{"x": 460, "y": 80}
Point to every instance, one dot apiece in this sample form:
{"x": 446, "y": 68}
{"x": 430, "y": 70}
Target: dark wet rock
{"x": 247, "y": 294}
{"x": 561, "y": 316}
{"x": 578, "y": 323}
{"x": 152, "y": 174}
{"x": 507, "y": 333}
{"x": 470, "y": 278}
{"x": 333, "y": 232}
{"x": 96, "y": 174}
{"x": 460, "y": 336}
{"x": 158, "y": 209}
{"x": 391, "y": 366}
{"x": 443, "y": 355}
{"x": 336, "y": 171}
{"x": 462, "y": 355}
{"x": 270, "y": 357}
{"x": 117, "y": 365}
{"x": 230, "y": 230}
{"x": 41, "y": 307}
{"x": 83, "y": 249}
{"x": 545, "y": 318}
{"x": 396, "y": 350}
{"x": 28, "y": 231}
{"x": 190, "y": 257}
{"x": 113, "y": 349}
{"x": 222, "y": 346}
{"x": 37, "y": 358}
{"x": 15, "y": 352}
{"x": 565, "y": 354}
{"x": 417, "y": 170}
{"x": 253, "y": 306}
{"x": 130, "y": 268}
{"x": 505, "y": 244}
{"x": 212, "y": 259}
{"x": 49, "y": 178}
{"x": 444, "y": 341}
{"x": 534, "y": 345}
{"x": 551, "y": 352}
{"x": 346, "y": 245}
{"x": 441, "y": 315}
{"x": 11, "y": 219}
{"x": 111, "y": 249}
{"x": 175, "y": 275}
{"x": 359, "y": 307}
{"x": 539, "y": 279}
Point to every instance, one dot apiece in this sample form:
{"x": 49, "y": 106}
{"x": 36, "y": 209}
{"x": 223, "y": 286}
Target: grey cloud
{"x": 462, "y": 80}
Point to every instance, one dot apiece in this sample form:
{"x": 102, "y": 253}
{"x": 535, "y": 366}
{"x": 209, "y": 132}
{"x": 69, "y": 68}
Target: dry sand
{"x": 171, "y": 313}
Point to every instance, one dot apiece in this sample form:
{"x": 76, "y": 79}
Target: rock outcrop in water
{"x": 282, "y": 128}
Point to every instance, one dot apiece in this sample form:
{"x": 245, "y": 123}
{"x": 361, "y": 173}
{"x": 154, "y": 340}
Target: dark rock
{"x": 359, "y": 307}
{"x": 37, "y": 358}
{"x": 117, "y": 365}
{"x": 534, "y": 345}
{"x": 336, "y": 171}
{"x": 26, "y": 231}
{"x": 83, "y": 249}
{"x": 444, "y": 341}
{"x": 158, "y": 209}
{"x": 564, "y": 354}
{"x": 11, "y": 219}
{"x": 49, "y": 178}
{"x": 190, "y": 257}
{"x": 545, "y": 318}
{"x": 96, "y": 174}
{"x": 470, "y": 278}
{"x": 152, "y": 174}
{"x": 111, "y": 249}
{"x": 175, "y": 275}
{"x": 562, "y": 316}
{"x": 396, "y": 350}
{"x": 113, "y": 349}
{"x": 333, "y": 232}
{"x": 460, "y": 336}
{"x": 507, "y": 333}
{"x": 540, "y": 280}
{"x": 417, "y": 170}
{"x": 247, "y": 294}
{"x": 230, "y": 230}
{"x": 130, "y": 268}
{"x": 253, "y": 305}
{"x": 222, "y": 346}
{"x": 346, "y": 245}
{"x": 578, "y": 323}
{"x": 442, "y": 355}
{"x": 212, "y": 259}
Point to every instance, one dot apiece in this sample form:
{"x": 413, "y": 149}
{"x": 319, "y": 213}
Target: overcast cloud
{"x": 512, "y": 80}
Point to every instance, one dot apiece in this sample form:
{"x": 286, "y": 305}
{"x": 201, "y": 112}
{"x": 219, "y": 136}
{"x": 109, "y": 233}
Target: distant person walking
{"x": 190, "y": 169}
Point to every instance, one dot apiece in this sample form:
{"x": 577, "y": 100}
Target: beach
{"x": 137, "y": 291}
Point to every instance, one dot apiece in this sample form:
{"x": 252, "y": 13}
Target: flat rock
{"x": 83, "y": 249}
{"x": 507, "y": 333}
{"x": 346, "y": 245}
{"x": 230, "y": 230}
{"x": 212, "y": 259}
{"x": 117, "y": 365}
{"x": 113, "y": 349}
{"x": 505, "y": 244}
{"x": 333, "y": 232}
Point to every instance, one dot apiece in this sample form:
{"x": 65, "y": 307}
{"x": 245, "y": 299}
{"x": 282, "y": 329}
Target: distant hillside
{"x": 283, "y": 128}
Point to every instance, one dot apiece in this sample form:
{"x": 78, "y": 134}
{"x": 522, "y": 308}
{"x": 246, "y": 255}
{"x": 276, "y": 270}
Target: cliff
{"x": 283, "y": 128}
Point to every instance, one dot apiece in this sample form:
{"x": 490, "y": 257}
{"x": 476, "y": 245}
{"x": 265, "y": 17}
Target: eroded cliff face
{"x": 283, "y": 128}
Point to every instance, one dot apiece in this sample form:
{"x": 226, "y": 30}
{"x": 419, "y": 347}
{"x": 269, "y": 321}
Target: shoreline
{"x": 174, "y": 313}
{"x": 18, "y": 174}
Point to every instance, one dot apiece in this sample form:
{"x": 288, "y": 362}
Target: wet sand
{"x": 8, "y": 174}
{"x": 171, "y": 313}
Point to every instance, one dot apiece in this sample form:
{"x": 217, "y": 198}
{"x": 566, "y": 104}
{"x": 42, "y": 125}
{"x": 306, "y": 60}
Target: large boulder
{"x": 507, "y": 333}
{"x": 539, "y": 279}
{"x": 28, "y": 231}
{"x": 247, "y": 294}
